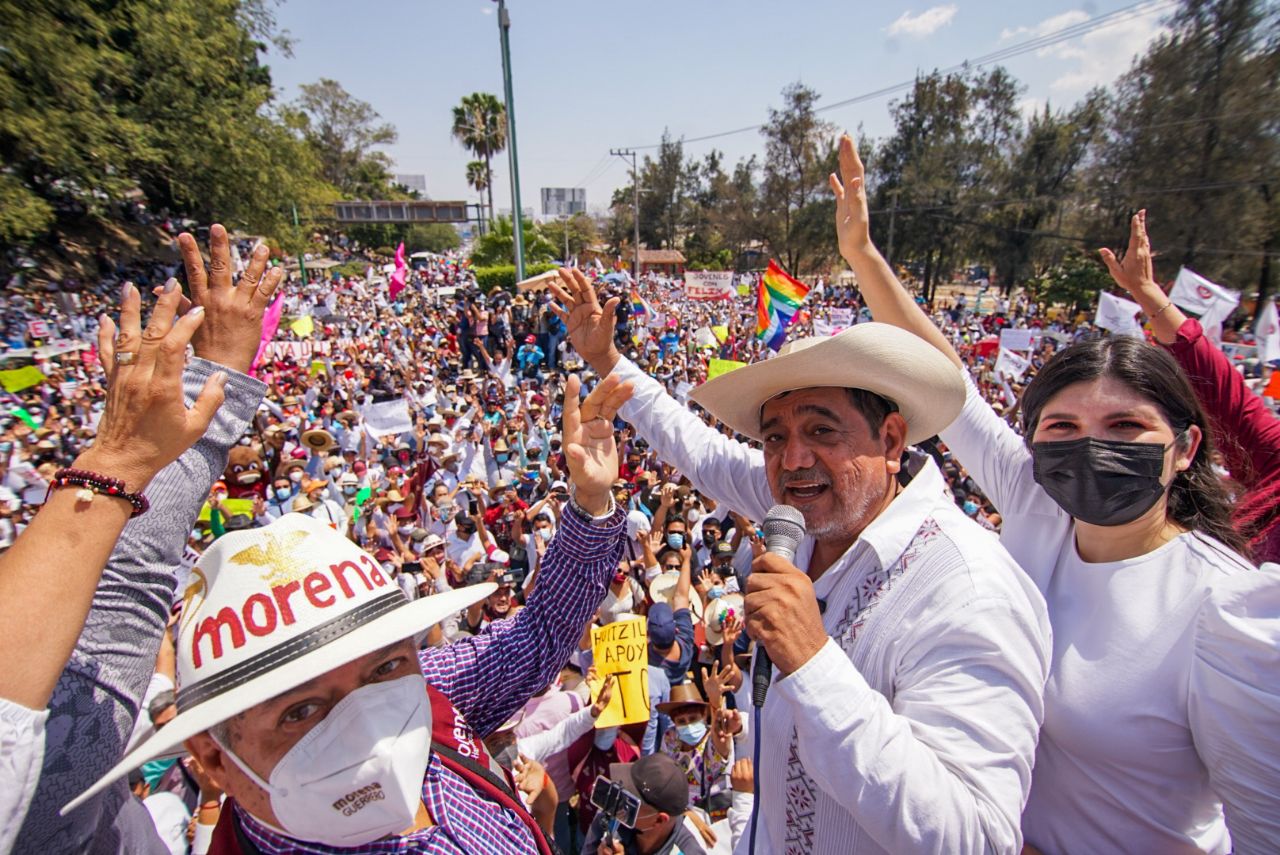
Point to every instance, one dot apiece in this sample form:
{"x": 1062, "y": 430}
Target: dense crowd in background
{"x": 425, "y": 427}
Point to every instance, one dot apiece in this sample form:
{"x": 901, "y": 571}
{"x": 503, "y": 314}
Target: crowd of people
{"x": 355, "y": 612}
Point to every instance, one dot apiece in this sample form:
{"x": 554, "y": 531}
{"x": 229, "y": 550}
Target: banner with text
{"x": 621, "y": 648}
{"x": 709, "y": 285}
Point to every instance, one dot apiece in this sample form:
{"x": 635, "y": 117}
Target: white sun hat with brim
{"x": 268, "y": 609}
{"x": 663, "y": 588}
{"x": 925, "y": 385}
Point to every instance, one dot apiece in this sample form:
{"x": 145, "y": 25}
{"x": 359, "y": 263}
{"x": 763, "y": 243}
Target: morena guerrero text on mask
{"x": 351, "y": 803}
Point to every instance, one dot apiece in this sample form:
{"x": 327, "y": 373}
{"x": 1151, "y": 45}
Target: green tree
{"x": 1193, "y": 139}
{"x": 580, "y": 230}
{"x": 478, "y": 178}
{"x": 344, "y": 132}
{"x": 1075, "y": 282}
{"x": 480, "y": 125}
{"x": 432, "y": 237}
{"x": 497, "y": 246}
{"x": 799, "y": 148}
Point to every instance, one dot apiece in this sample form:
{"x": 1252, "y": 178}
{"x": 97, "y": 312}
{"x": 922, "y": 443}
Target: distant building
{"x": 669, "y": 262}
{"x": 563, "y": 201}
{"x": 413, "y": 182}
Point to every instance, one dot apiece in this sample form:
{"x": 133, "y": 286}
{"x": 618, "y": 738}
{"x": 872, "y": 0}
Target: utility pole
{"x": 624, "y": 153}
{"x": 517, "y": 228}
{"x": 302, "y": 265}
{"x": 893, "y": 215}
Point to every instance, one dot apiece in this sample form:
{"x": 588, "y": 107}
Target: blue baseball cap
{"x": 662, "y": 626}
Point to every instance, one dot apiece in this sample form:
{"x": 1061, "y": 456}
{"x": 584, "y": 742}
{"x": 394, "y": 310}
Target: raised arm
{"x": 96, "y": 699}
{"x": 1250, "y": 434}
{"x": 888, "y": 300}
{"x": 491, "y": 675}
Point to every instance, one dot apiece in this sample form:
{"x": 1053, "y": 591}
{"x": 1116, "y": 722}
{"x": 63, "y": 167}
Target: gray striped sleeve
{"x": 97, "y": 697}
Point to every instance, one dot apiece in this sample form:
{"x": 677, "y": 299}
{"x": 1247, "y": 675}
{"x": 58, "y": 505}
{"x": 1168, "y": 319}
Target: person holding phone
{"x": 659, "y": 827}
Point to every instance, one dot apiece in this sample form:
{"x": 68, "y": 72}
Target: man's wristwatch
{"x": 585, "y": 515}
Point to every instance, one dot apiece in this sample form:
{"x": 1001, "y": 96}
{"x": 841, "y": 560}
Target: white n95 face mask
{"x": 356, "y": 776}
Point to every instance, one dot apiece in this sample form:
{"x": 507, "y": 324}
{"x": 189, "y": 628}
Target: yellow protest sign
{"x": 18, "y": 379}
{"x": 721, "y": 333}
{"x": 317, "y": 367}
{"x": 716, "y": 367}
{"x": 622, "y": 649}
{"x": 744, "y": 290}
{"x": 230, "y": 507}
{"x": 303, "y": 326}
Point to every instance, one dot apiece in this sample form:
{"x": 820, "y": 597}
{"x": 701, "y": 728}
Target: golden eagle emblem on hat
{"x": 276, "y": 555}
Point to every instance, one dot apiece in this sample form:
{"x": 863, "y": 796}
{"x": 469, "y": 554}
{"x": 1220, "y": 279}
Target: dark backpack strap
{"x": 475, "y": 768}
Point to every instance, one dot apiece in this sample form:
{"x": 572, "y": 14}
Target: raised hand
{"x": 588, "y": 440}
{"x": 853, "y": 223}
{"x": 589, "y": 325}
{"x": 233, "y": 328}
{"x": 146, "y": 424}
{"x": 1133, "y": 272}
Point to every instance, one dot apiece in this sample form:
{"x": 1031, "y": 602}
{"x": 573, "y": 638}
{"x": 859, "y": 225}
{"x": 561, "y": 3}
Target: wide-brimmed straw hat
{"x": 891, "y": 362}
{"x": 268, "y": 609}
{"x": 663, "y": 588}
{"x": 684, "y": 695}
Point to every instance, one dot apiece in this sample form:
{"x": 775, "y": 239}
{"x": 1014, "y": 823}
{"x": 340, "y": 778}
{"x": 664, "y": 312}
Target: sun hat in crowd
{"x": 663, "y": 588}
{"x": 891, "y": 362}
{"x": 318, "y": 440}
{"x": 684, "y": 695}
{"x": 718, "y": 611}
{"x": 268, "y": 609}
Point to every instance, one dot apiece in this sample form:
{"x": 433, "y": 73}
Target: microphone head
{"x": 783, "y": 530}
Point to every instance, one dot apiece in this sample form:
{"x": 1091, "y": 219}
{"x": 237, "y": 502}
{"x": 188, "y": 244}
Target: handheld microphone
{"x": 783, "y": 531}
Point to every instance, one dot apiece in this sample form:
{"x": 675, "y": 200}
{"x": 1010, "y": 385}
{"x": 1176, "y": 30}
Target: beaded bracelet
{"x": 91, "y": 484}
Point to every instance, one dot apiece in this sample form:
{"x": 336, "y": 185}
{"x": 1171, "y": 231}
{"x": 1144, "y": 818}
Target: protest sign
{"x": 841, "y": 319}
{"x": 38, "y": 329}
{"x": 821, "y": 327}
{"x": 1016, "y": 339}
{"x": 708, "y": 284}
{"x": 389, "y": 417}
{"x": 744, "y": 290}
{"x": 621, "y": 648}
{"x": 68, "y": 389}
{"x": 303, "y": 326}
{"x": 704, "y": 337}
{"x": 683, "y": 388}
{"x": 317, "y": 368}
{"x": 716, "y": 367}
{"x": 17, "y": 379}
{"x": 1116, "y": 313}
{"x": 1012, "y": 365}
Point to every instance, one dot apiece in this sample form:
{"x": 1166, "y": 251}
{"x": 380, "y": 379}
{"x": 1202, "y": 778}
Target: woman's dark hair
{"x": 1198, "y": 499}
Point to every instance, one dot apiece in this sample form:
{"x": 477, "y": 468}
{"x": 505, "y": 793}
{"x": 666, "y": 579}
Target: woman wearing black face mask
{"x": 1110, "y": 504}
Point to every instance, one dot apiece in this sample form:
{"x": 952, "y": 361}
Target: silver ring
{"x": 125, "y": 357}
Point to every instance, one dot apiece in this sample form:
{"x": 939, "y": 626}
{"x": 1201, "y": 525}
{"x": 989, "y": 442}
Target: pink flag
{"x": 270, "y": 323}
{"x": 397, "y": 278}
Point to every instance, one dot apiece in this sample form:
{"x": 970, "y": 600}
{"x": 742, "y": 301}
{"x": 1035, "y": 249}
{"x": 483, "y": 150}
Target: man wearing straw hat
{"x": 303, "y": 695}
{"x": 909, "y": 652}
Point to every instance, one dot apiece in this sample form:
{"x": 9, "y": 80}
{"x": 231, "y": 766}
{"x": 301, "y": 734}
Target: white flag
{"x": 1117, "y": 314}
{"x": 389, "y": 417}
{"x": 1267, "y": 332}
{"x": 1209, "y": 300}
{"x": 1012, "y": 365}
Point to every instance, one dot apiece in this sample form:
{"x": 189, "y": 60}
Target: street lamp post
{"x": 624, "y": 153}
{"x": 517, "y": 228}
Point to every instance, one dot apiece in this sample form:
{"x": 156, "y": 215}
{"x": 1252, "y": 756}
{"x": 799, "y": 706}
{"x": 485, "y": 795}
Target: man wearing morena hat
{"x": 302, "y": 694}
{"x": 909, "y": 652}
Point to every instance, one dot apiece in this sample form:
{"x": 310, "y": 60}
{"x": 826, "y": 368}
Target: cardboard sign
{"x": 1016, "y": 339}
{"x": 230, "y": 507}
{"x": 38, "y": 329}
{"x": 716, "y": 367}
{"x": 388, "y": 417}
{"x": 622, "y": 649}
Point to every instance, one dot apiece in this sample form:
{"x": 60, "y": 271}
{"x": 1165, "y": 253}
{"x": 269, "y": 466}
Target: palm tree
{"x": 478, "y": 178}
{"x": 480, "y": 124}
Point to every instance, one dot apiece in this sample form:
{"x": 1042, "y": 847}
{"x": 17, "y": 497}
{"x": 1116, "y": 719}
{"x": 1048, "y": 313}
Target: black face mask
{"x": 1101, "y": 481}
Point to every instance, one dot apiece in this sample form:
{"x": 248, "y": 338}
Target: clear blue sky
{"x": 594, "y": 75}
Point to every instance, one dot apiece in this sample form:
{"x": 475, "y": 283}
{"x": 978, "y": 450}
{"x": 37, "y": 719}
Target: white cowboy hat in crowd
{"x": 718, "y": 611}
{"x": 268, "y": 609}
{"x": 663, "y": 588}
{"x": 891, "y": 362}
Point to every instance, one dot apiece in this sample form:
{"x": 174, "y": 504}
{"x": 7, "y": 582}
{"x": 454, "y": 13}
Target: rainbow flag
{"x": 638, "y": 306}
{"x": 777, "y": 302}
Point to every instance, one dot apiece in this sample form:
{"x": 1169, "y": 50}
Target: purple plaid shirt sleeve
{"x": 489, "y": 676}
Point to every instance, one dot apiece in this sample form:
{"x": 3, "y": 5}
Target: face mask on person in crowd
{"x": 406, "y": 529}
{"x": 604, "y": 738}
{"x": 283, "y": 493}
{"x": 502, "y": 458}
{"x": 296, "y": 476}
{"x": 1100, "y": 481}
{"x": 692, "y": 733}
{"x": 349, "y": 490}
{"x": 692, "y": 515}
{"x": 544, "y": 534}
{"x": 715, "y": 593}
{"x": 675, "y": 539}
{"x": 357, "y": 775}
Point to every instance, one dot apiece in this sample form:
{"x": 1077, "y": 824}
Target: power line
{"x": 1135, "y": 10}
